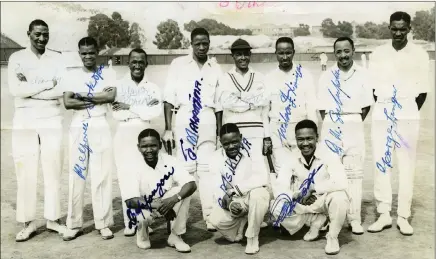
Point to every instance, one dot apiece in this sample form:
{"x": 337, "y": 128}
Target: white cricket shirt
{"x": 78, "y": 80}
{"x": 299, "y": 86}
{"x": 354, "y": 83}
{"x": 183, "y": 73}
{"x": 243, "y": 174}
{"x": 234, "y": 94}
{"x": 145, "y": 178}
{"x": 406, "y": 69}
{"x": 31, "y": 97}
{"x": 137, "y": 96}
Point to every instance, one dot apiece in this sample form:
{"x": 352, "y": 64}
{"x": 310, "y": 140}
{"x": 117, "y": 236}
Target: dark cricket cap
{"x": 240, "y": 44}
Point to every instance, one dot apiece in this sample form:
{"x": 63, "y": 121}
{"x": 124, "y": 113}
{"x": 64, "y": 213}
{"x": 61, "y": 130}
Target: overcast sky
{"x": 15, "y": 17}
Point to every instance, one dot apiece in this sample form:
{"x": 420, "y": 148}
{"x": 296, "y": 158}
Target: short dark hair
{"x": 87, "y": 41}
{"x": 229, "y": 128}
{"x": 306, "y": 124}
{"x": 343, "y": 39}
{"x": 285, "y": 40}
{"x": 148, "y": 133}
{"x": 398, "y": 16}
{"x": 199, "y": 31}
{"x": 138, "y": 50}
{"x": 37, "y": 22}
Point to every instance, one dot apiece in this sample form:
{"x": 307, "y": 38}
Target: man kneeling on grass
{"x": 309, "y": 188}
{"x": 160, "y": 187}
{"x": 242, "y": 194}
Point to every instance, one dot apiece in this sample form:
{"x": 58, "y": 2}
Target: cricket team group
{"x": 250, "y": 143}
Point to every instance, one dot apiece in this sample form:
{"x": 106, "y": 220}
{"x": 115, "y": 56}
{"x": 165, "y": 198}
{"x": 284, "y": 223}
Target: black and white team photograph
{"x": 226, "y": 129}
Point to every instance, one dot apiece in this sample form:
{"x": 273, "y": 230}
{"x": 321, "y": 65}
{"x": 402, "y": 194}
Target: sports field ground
{"x": 387, "y": 244}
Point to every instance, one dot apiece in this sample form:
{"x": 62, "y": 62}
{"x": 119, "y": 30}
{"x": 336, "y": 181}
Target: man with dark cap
{"x": 243, "y": 99}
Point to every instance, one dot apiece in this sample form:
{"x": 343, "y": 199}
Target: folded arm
{"x": 22, "y": 88}
{"x": 107, "y": 96}
{"x": 73, "y": 101}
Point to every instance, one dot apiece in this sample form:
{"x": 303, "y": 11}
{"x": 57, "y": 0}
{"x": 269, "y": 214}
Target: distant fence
{"x": 166, "y": 59}
{"x": 227, "y": 58}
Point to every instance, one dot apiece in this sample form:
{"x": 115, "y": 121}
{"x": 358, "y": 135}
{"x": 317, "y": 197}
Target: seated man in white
{"x": 309, "y": 188}
{"x": 163, "y": 188}
{"x": 241, "y": 193}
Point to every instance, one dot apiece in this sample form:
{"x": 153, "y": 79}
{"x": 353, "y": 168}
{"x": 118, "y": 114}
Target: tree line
{"x": 115, "y": 32}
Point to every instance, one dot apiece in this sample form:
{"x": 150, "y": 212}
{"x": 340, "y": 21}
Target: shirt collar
{"x": 128, "y": 78}
{"x": 233, "y": 70}
{"x": 191, "y": 60}
{"x": 302, "y": 160}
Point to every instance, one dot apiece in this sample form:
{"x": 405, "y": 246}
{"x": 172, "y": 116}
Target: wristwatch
{"x": 179, "y": 197}
{"x": 251, "y": 105}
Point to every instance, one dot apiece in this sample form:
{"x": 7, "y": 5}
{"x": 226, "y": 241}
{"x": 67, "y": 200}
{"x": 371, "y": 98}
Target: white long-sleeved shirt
{"x": 299, "y": 85}
{"x": 234, "y": 94}
{"x": 137, "y": 96}
{"x": 244, "y": 176}
{"x": 406, "y": 69}
{"x": 37, "y": 96}
{"x": 145, "y": 178}
{"x": 355, "y": 84}
{"x": 182, "y": 75}
{"x": 79, "y": 80}
{"x": 330, "y": 177}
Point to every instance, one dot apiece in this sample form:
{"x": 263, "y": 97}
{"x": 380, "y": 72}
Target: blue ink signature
{"x": 389, "y": 139}
{"x": 84, "y": 147}
{"x": 192, "y": 133}
{"x": 133, "y": 213}
{"x": 337, "y": 133}
{"x": 288, "y": 98}
{"x": 289, "y": 204}
{"x": 227, "y": 178}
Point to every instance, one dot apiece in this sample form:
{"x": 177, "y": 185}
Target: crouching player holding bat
{"x": 241, "y": 193}
{"x": 318, "y": 188}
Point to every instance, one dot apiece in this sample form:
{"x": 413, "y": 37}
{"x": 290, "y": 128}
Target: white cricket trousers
{"x": 350, "y": 137}
{"x": 407, "y": 126}
{"x": 178, "y": 225}
{"x": 333, "y": 204}
{"x": 282, "y": 153}
{"x": 257, "y": 203}
{"x": 206, "y": 145}
{"x": 127, "y": 155}
{"x": 96, "y": 164}
{"x": 33, "y": 139}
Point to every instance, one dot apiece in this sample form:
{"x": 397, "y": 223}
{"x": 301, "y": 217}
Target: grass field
{"x": 388, "y": 244}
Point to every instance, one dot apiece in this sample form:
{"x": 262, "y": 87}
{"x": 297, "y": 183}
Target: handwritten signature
{"x": 289, "y": 204}
{"x": 389, "y": 139}
{"x": 133, "y": 213}
{"x": 240, "y": 5}
{"x": 337, "y": 133}
{"x": 288, "y": 98}
{"x": 192, "y": 132}
{"x": 230, "y": 165}
{"x": 84, "y": 147}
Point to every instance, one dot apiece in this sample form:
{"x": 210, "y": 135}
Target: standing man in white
{"x": 400, "y": 72}
{"x": 293, "y": 97}
{"x": 37, "y": 129}
{"x": 191, "y": 87}
{"x": 323, "y": 57}
{"x": 137, "y": 102}
{"x": 344, "y": 100}
{"x": 87, "y": 91}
